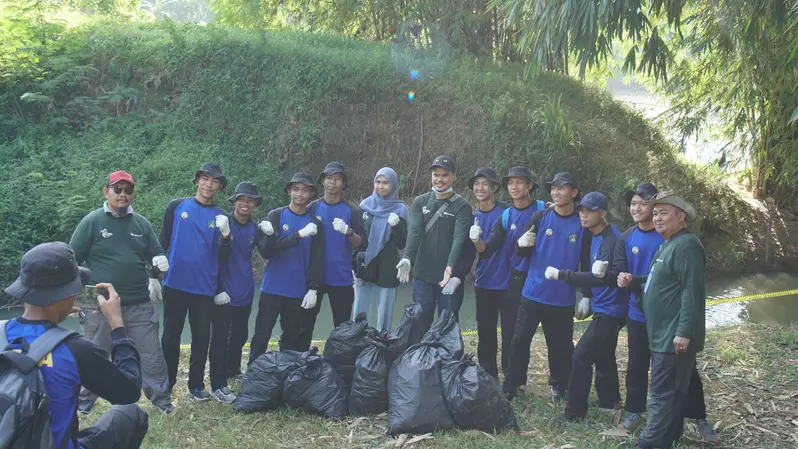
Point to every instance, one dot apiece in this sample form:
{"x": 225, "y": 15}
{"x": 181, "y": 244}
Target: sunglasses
{"x": 119, "y": 189}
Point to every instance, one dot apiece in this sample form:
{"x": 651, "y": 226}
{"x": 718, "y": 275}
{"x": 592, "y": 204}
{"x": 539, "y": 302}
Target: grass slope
{"x": 750, "y": 381}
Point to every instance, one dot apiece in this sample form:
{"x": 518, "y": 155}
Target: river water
{"x": 783, "y": 310}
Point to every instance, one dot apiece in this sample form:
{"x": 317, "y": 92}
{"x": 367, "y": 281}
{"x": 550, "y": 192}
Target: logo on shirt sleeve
{"x": 572, "y": 238}
{"x": 635, "y": 250}
{"x": 595, "y": 256}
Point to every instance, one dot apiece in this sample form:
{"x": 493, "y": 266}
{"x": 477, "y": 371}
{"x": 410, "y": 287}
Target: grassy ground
{"x": 750, "y": 376}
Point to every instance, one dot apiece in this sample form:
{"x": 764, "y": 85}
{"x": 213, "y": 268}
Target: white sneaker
{"x": 223, "y": 395}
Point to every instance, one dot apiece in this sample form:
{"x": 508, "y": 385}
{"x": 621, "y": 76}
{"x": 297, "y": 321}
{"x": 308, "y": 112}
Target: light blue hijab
{"x": 380, "y": 207}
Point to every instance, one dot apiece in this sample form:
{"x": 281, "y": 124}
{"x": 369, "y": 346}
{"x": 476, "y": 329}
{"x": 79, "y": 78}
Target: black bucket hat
{"x": 331, "y": 169}
{"x": 444, "y": 162}
{"x": 520, "y": 172}
{"x": 562, "y": 179}
{"x": 213, "y": 170}
{"x": 646, "y": 190}
{"x": 302, "y": 178}
{"x": 487, "y": 173}
{"x": 247, "y": 189}
{"x": 48, "y": 273}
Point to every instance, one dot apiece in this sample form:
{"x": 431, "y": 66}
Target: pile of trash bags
{"x": 423, "y": 380}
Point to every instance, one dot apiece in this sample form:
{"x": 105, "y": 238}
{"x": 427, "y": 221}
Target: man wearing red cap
{"x": 120, "y": 247}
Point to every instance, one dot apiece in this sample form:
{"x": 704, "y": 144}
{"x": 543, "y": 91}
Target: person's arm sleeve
{"x": 154, "y": 249}
{"x": 690, "y": 270}
{"x": 356, "y": 223}
{"x": 533, "y": 221}
{"x": 585, "y": 279}
{"x": 81, "y": 240}
{"x": 118, "y": 380}
{"x": 463, "y": 220}
{"x": 225, "y": 245}
{"x": 399, "y": 233}
{"x": 415, "y": 233}
{"x": 618, "y": 264}
{"x": 316, "y": 268}
{"x": 168, "y": 222}
{"x": 495, "y": 240}
{"x": 466, "y": 261}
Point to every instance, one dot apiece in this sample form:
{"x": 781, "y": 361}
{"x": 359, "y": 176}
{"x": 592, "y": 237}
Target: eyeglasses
{"x": 127, "y": 189}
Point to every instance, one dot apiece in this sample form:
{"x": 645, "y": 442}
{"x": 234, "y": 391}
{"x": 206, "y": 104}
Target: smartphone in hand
{"x": 88, "y": 299}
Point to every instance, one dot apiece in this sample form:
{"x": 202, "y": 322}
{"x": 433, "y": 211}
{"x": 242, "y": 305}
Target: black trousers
{"x": 637, "y": 376}
{"x": 229, "y": 333}
{"x": 341, "y": 300}
{"x": 121, "y": 427}
{"x": 558, "y": 328}
{"x": 596, "y": 347}
{"x": 294, "y": 321}
{"x": 176, "y": 305}
{"x": 491, "y": 304}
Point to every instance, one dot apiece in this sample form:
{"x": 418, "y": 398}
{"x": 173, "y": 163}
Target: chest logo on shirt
{"x": 424, "y": 210}
{"x": 184, "y": 215}
{"x": 513, "y": 227}
{"x": 572, "y": 238}
{"x": 635, "y": 250}
{"x": 365, "y": 215}
{"x": 285, "y": 227}
{"x": 252, "y": 241}
{"x": 595, "y": 256}
{"x": 212, "y": 224}
{"x": 136, "y": 235}
{"x": 105, "y": 233}
{"x": 549, "y": 232}
{"x": 319, "y": 217}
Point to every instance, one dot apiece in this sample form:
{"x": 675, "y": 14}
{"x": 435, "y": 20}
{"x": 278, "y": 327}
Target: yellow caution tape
{"x": 710, "y": 302}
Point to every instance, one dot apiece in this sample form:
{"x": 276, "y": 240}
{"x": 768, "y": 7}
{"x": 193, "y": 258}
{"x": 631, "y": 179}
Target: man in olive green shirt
{"x": 674, "y": 305}
{"x": 433, "y": 253}
{"x": 118, "y": 245}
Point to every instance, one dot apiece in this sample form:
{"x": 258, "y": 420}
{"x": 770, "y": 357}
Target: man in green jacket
{"x": 439, "y": 224}
{"x": 118, "y": 245}
{"x": 674, "y": 304}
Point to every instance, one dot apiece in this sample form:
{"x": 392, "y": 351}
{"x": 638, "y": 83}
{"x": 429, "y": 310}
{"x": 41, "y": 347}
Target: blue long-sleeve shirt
{"x": 338, "y": 249}
{"x": 493, "y": 271}
{"x": 633, "y": 254}
{"x": 235, "y": 273}
{"x": 502, "y": 239}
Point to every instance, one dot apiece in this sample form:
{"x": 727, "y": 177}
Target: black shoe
{"x": 85, "y": 406}
{"x": 510, "y": 392}
{"x": 556, "y": 395}
{"x": 562, "y": 420}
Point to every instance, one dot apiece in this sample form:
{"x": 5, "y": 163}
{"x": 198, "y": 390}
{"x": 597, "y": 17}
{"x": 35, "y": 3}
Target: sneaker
{"x": 199, "y": 394}
{"x": 556, "y": 395}
{"x": 223, "y": 395}
{"x": 631, "y": 422}
{"x": 85, "y": 406}
{"x": 704, "y": 429}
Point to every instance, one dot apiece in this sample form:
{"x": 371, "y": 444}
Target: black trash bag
{"x": 409, "y": 331}
{"x": 475, "y": 398}
{"x": 262, "y": 388}
{"x": 415, "y": 393}
{"x": 346, "y": 342}
{"x": 369, "y": 394}
{"x": 446, "y": 331}
{"x": 316, "y": 388}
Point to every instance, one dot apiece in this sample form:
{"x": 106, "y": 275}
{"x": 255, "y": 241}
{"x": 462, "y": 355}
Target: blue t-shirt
{"x": 235, "y": 273}
{"x": 287, "y": 273}
{"x": 493, "y": 273}
{"x": 514, "y": 221}
{"x": 337, "y": 247}
{"x": 192, "y": 244}
{"x": 634, "y": 253}
{"x": 606, "y": 299}
{"x": 558, "y": 244}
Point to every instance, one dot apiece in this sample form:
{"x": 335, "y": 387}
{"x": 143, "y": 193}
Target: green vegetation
{"x": 764, "y": 380}
{"x": 159, "y": 98}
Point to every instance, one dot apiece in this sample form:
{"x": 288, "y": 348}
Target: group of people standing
{"x": 531, "y": 259}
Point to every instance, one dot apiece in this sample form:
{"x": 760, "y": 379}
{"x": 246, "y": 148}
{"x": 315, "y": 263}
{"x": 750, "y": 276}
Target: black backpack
{"x": 24, "y": 405}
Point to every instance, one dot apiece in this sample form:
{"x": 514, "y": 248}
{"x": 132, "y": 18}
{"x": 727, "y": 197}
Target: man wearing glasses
{"x": 117, "y": 245}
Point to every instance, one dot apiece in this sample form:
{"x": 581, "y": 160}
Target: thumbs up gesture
{"x": 528, "y": 239}
{"x": 476, "y": 232}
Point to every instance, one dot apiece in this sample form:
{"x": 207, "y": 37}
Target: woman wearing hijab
{"x": 385, "y": 218}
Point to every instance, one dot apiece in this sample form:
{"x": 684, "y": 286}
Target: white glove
{"x": 266, "y": 227}
{"x": 156, "y": 292}
{"x": 599, "y": 268}
{"x": 451, "y": 286}
{"x": 309, "y": 229}
{"x": 528, "y": 239}
{"x": 310, "y": 300}
{"x": 221, "y": 299}
{"x": 404, "y": 270}
{"x": 223, "y": 225}
{"x": 583, "y": 309}
{"x": 358, "y": 281}
{"x": 552, "y": 273}
{"x": 475, "y": 232}
{"x": 161, "y": 263}
{"x": 340, "y": 226}
{"x": 393, "y": 219}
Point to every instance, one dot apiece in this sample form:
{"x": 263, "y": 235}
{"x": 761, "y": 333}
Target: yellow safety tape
{"x": 710, "y": 302}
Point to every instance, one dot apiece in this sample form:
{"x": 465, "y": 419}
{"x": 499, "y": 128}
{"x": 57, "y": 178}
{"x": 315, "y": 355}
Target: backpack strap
{"x": 3, "y": 338}
{"x": 505, "y": 218}
{"x": 47, "y": 342}
{"x": 541, "y": 204}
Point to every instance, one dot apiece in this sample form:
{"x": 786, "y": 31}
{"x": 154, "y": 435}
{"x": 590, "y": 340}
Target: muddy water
{"x": 783, "y": 310}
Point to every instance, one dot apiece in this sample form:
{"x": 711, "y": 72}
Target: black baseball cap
{"x": 444, "y": 162}
{"x": 213, "y": 170}
{"x": 301, "y": 178}
{"x": 520, "y": 172}
{"x": 331, "y": 169}
{"x": 645, "y": 190}
{"x": 48, "y": 274}
{"x": 562, "y": 179}
{"x": 247, "y": 189}
{"x": 593, "y": 201}
{"x": 487, "y": 173}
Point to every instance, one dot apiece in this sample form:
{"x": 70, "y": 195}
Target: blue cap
{"x": 593, "y": 201}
